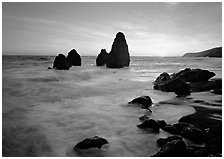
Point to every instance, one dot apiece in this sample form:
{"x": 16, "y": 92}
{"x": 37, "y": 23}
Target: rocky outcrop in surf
{"x": 74, "y": 58}
{"x": 144, "y": 101}
{"x": 187, "y": 80}
{"x": 63, "y": 63}
{"x": 102, "y": 58}
{"x": 119, "y": 55}
{"x": 95, "y": 142}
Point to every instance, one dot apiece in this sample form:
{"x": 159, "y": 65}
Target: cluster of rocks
{"x": 119, "y": 55}
{"x": 64, "y": 63}
{"x": 188, "y": 80}
{"x": 117, "y": 58}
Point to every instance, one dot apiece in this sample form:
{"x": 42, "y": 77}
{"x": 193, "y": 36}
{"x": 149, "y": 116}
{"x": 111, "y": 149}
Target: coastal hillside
{"x": 215, "y": 52}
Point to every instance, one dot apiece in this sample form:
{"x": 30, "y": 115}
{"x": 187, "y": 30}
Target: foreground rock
{"x": 61, "y": 63}
{"x": 102, "y": 58}
{"x": 149, "y": 124}
{"x": 174, "y": 85}
{"x": 192, "y": 133}
{"x": 119, "y": 55}
{"x": 95, "y": 142}
{"x": 174, "y": 148}
{"x": 193, "y": 75}
{"x": 144, "y": 101}
{"x": 74, "y": 58}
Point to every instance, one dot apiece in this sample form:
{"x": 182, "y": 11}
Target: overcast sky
{"x": 151, "y": 29}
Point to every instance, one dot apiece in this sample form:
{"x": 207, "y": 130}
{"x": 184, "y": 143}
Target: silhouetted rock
{"x": 95, "y": 142}
{"x": 180, "y": 125}
{"x": 49, "y": 68}
{"x": 150, "y": 123}
{"x": 144, "y": 101}
{"x": 192, "y": 133}
{"x": 119, "y": 54}
{"x": 170, "y": 129}
{"x": 174, "y": 148}
{"x": 162, "y": 79}
{"x": 161, "y": 123}
{"x": 102, "y": 58}
{"x": 61, "y": 63}
{"x": 193, "y": 75}
{"x": 215, "y": 52}
{"x": 163, "y": 141}
{"x": 74, "y": 58}
{"x": 175, "y": 85}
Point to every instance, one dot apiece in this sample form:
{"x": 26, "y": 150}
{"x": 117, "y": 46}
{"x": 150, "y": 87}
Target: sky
{"x": 150, "y": 28}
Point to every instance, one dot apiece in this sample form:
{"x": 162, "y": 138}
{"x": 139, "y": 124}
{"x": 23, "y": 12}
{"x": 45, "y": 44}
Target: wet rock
{"x": 163, "y": 141}
{"x": 61, "y": 63}
{"x": 175, "y": 85}
{"x": 119, "y": 55}
{"x": 161, "y": 123}
{"x": 162, "y": 79}
{"x": 193, "y": 75}
{"x": 170, "y": 129}
{"x": 180, "y": 125}
{"x": 214, "y": 84}
{"x": 49, "y": 68}
{"x": 150, "y": 123}
{"x": 102, "y": 58}
{"x": 74, "y": 58}
{"x": 144, "y": 101}
{"x": 174, "y": 148}
{"x": 95, "y": 142}
{"x": 192, "y": 133}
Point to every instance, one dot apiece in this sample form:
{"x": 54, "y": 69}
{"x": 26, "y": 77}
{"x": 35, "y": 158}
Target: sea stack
{"x": 61, "y": 63}
{"x": 102, "y": 58}
{"x": 119, "y": 54}
{"x": 74, "y": 58}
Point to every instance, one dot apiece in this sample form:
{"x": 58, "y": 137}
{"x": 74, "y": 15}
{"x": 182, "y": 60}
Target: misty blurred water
{"x": 46, "y": 112}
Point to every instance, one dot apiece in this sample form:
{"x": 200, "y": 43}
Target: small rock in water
{"x": 49, "y": 68}
{"x": 74, "y": 58}
{"x": 192, "y": 133}
{"x": 143, "y": 118}
{"x": 150, "y": 123}
{"x": 171, "y": 129}
{"x": 95, "y": 142}
{"x": 61, "y": 63}
{"x": 102, "y": 58}
{"x": 161, "y": 123}
{"x": 144, "y": 101}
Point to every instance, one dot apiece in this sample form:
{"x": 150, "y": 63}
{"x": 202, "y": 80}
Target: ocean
{"x": 46, "y": 112}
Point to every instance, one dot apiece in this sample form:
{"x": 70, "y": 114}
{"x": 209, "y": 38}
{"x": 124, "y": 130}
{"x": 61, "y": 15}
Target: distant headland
{"x": 214, "y": 52}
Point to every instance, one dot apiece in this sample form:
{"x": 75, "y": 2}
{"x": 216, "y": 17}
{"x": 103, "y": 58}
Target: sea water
{"x": 46, "y": 112}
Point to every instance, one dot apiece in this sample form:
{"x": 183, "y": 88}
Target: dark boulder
{"x": 61, "y": 63}
{"x": 119, "y": 55}
{"x": 163, "y": 141}
{"x": 150, "y": 123}
{"x": 170, "y": 129}
{"x": 193, "y": 75}
{"x": 162, "y": 79}
{"x": 213, "y": 84}
{"x": 180, "y": 125}
{"x": 74, "y": 58}
{"x": 161, "y": 123}
{"x": 192, "y": 133}
{"x": 174, "y": 148}
{"x": 144, "y": 101}
{"x": 175, "y": 85}
{"x": 102, "y": 58}
{"x": 49, "y": 68}
{"x": 95, "y": 142}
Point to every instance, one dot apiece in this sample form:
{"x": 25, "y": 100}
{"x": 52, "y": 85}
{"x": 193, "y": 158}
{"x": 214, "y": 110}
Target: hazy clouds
{"x": 151, "y": 29}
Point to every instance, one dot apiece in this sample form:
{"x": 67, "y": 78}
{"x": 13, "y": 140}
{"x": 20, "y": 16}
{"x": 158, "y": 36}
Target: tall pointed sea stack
{"x": 119, "y": 54}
